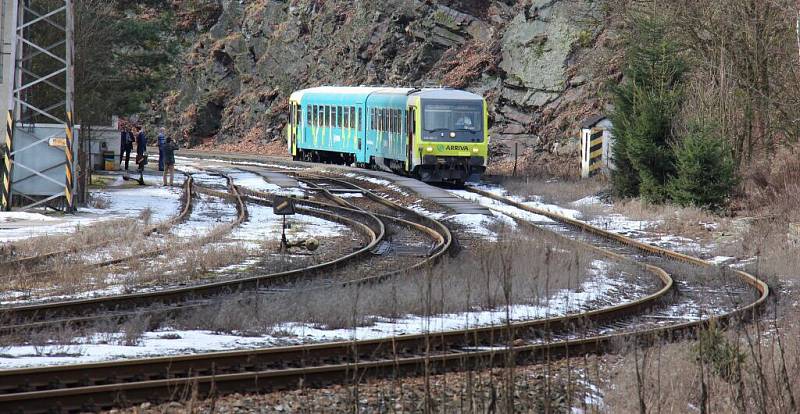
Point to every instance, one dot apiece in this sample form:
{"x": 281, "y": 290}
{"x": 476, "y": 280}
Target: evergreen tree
{"x": 125, "y": 56}
{"x": 705, "y": 170}
{"x": 645, "y": 106}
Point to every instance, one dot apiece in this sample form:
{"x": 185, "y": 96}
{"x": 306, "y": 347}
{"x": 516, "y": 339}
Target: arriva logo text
{"x": 457, "y": 148}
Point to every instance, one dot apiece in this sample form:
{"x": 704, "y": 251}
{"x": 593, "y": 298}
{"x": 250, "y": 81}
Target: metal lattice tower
{"x": 40, "y": 104}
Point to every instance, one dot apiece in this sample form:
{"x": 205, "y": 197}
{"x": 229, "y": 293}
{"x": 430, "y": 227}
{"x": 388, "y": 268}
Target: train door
{"x": 294, "y": 124}
{"x": 411, "y": 126}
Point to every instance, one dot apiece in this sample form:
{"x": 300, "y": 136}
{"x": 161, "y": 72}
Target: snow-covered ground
{"x": 122, "y": 202}
{"x": 600, "y": 287}
{"x": 641, "y": 230}
{"x": 264, "y": 226}
{"x": 378, "y": 181}
{"x": 183, "y": 161}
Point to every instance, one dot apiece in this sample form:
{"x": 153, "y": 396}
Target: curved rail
{"x": 40, "y": 315}
{"x": 746, "y": 312}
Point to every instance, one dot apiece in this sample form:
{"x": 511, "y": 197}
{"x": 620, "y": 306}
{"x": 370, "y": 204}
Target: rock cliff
{"x": 541, "y": 64}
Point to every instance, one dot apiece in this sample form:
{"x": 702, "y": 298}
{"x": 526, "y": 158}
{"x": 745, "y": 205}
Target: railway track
{"x": 78, "y": 312}
{"x": 95, "y": 386}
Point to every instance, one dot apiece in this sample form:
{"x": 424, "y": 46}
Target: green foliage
{"x": 714, "y": 350}
{"x": 645, "y": 106}
{"x": 124, "y": 56}
{"x": 705, "y": 170}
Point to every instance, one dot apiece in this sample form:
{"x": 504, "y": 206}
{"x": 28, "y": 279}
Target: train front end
{"x": 451, "y": 136}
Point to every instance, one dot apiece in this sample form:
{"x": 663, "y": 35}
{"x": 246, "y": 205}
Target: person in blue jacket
{"x": 162, "y": 138}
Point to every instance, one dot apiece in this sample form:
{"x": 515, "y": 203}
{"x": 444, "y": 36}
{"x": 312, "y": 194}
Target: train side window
{"x": 334, "y": 111}
{"x": 339, "y": 115}
{"x": 308, "y": 115}
{"x": 358, "y": 119}
{"x": 346, "y": 117}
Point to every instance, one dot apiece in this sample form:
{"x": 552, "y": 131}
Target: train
{"x": 438, "y": 135}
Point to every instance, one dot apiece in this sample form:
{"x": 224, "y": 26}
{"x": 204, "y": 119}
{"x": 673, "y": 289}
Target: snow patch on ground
{"x": 378, "y": 181}
{"x": 500, "y": 191}
{"x": 589, "y": 201}
{"x": 163, "y": 203}
{"x": 262, "y": 225}
{"x": 193, "y": 161}
{"x": 256, "y": 182}
{"x": 12, "y": 216}
{"x": 481, "y": 225}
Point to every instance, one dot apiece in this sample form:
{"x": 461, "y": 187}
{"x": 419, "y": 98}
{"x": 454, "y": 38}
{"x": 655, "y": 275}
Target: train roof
{"x": 366, "y": 91}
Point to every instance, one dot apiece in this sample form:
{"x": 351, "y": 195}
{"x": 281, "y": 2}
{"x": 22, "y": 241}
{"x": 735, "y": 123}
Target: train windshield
{"x": 452, "y": 121}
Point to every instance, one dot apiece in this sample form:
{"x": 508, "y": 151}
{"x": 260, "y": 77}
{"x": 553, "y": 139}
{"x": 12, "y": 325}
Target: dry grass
{"x": 686, "y": 376}
{"x": 174, "y": 266}
{"x": 515, "y": 271}
{"x": 83, "y": 236}
{"x": 555, "y": 190}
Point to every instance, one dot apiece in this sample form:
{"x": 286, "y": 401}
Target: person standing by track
{"x": 169, "y": 160}
{"x": 161, "y": 142}
{"x": 125, "y": 146}
{"x": 141, "y": 152}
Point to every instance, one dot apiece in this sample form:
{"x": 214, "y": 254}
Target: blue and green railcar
{"x": 437, "y": 135}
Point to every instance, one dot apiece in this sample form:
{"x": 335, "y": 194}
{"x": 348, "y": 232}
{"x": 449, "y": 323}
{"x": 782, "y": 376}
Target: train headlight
{"x": 475, "y": 150}
{"x": 429, "y": 149}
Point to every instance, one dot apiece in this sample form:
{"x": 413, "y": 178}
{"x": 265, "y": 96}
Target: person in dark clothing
{"x": 141, "y": 152}
{"x": 161, "y": 142}
{"x": 169, "y": 160}
{"x": 125, "y": 146}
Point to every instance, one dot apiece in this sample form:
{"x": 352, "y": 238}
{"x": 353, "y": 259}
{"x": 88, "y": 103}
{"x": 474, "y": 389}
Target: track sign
{"x": 284, "y": 206}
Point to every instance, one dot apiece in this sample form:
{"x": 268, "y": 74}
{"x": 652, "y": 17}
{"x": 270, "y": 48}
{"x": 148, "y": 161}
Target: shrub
{"x": 705, "y": 171}
{"x": 713, "y": 349}
{"x": 645, "y": 106}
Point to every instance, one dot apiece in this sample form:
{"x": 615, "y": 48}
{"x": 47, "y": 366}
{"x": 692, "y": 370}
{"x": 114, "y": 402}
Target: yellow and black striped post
{"x": 70, "y": 206}
{"x": 595, "y": 151}
{"x": 592, "y": 151}
{"x": 7, "y": 163}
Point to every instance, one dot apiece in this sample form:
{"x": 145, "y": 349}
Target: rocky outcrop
{"x": 535, "y": 61}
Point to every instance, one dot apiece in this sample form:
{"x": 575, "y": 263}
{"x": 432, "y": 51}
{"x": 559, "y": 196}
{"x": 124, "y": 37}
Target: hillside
{"x": 539, "y": 63}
